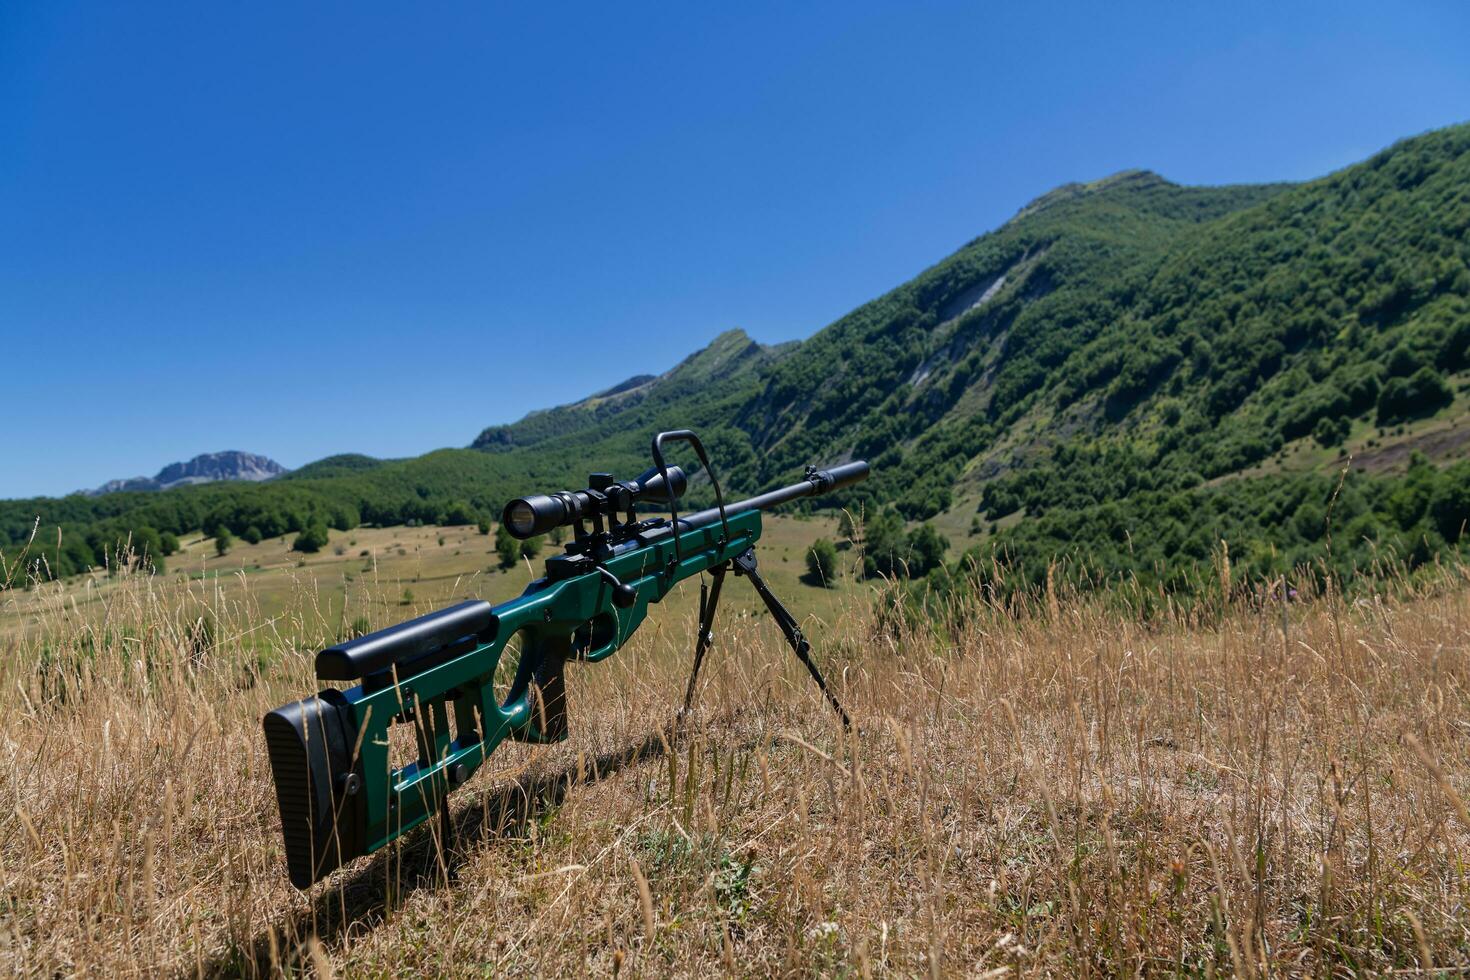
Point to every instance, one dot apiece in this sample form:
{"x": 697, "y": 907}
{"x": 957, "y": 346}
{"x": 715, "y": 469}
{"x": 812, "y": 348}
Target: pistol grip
{"x": 549, "y": 692}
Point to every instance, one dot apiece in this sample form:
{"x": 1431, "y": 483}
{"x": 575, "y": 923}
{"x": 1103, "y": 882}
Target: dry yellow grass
{"x": 1047, "y": 789}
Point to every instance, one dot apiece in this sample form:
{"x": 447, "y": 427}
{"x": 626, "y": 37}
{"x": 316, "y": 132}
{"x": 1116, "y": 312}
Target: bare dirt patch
{"x": 1438, "y": 444}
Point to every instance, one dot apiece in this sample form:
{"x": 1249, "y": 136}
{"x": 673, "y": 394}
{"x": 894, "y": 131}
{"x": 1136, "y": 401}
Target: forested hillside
{"x": 1125, "y": 374}
{"x": 711, "y": 385}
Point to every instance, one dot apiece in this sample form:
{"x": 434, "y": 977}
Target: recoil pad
{"x": 310, "y": 745}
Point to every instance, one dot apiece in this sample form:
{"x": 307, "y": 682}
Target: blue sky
{"x": 300, "y": 229}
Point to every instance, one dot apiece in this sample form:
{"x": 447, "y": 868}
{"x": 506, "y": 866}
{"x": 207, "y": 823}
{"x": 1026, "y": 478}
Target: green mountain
{"x": 1125, "y": 373}
{"x": 711, "y": 386}
{"x": 343, "y": 464}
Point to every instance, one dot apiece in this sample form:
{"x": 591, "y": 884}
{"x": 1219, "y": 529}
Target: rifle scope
{"x": 526, "y": 517}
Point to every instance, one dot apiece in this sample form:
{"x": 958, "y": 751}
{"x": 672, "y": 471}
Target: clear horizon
{"x": 358, "y": 228}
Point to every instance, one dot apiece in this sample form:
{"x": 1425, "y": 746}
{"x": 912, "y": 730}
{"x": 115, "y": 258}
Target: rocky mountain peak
{"x": 204, "y": 468}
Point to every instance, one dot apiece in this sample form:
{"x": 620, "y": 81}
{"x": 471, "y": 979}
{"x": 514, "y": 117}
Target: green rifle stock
{"x": 342, "y": 795}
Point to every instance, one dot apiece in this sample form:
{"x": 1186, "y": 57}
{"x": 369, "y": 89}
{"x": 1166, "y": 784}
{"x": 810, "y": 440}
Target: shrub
{"x": 926, "y": 549}
{"x": 1331, "y": 432}
{"x": 1404, "y": 361}
{"x": 459, "y": 512}
{"x": 821, "y": 562}
{"x": 506, "y": 546}
{"x": 1450, "y": 506}
{"x": 222, "y": 542}
{"x": 883, "y": 546}
{"x": 1423, "y": 393}
{"x": 313, "y": 539}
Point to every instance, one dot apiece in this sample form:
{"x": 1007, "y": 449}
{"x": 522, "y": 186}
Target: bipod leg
{"x": 446, "y": 837}
{"x": 708, "y": 599}
{"x": 745, "y": 565}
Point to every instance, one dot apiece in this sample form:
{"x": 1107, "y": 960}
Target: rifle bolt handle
{"x": 623, "y": 596}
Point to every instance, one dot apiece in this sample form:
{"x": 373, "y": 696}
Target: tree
{"x": 999, "y": 500}
{"x": 926, "y": 549}
{"x": 558, "y": 535}
{"x": 821, "y": 562}
{"x": 168, "y": 543}
{"x": 146, "y": 546}
{"x": 459, "y": 512}
{"x": 531, "y": 547}
{"x": 883, "y": 544}
{"x": 1331, "y": 432}
{"x": 1404, "y": 361}
{"x": 1310, "y": 521}
{"x": 507, "y": 547}
{"x": 251, "y": 535}
{"x": 1450, "y": 505}
{"x": 1424, "y": 393}
{"x": 222, "y": 542}
{"x": 311, "y": 540}
{"x": 484, "y": 526}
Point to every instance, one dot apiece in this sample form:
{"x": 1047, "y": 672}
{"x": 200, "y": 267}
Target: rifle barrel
{"x": 819, "y": 483}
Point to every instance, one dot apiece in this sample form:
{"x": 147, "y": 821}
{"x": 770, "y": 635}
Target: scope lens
{"x": 521, "y": 519}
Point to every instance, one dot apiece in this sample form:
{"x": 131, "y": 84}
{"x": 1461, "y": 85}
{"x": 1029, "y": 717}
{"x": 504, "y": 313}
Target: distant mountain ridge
{"x": 729, "y": 361}
{"x": 204, "y": 468}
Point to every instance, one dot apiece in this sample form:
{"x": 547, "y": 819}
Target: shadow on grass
{"x": 364, "y": 901}
{"x": 817, "y": 581}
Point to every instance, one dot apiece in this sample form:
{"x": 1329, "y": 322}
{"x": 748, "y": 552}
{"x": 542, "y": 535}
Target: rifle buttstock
{"x": 311, "y": 760}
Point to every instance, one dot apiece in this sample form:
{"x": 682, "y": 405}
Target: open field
{"x": 383, "y": 575}
{"x": 1047, "y": 789}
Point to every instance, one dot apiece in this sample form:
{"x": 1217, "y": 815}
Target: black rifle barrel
{"x": 818, "y": 483}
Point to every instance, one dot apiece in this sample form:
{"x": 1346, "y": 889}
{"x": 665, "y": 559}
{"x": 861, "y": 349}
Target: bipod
{"x": 708, "y": 598}
{"x": 446, "y": 839}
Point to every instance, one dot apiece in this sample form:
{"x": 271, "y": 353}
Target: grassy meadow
{"x": 1050, "y": 787}
{"x": 381, "y": 575}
